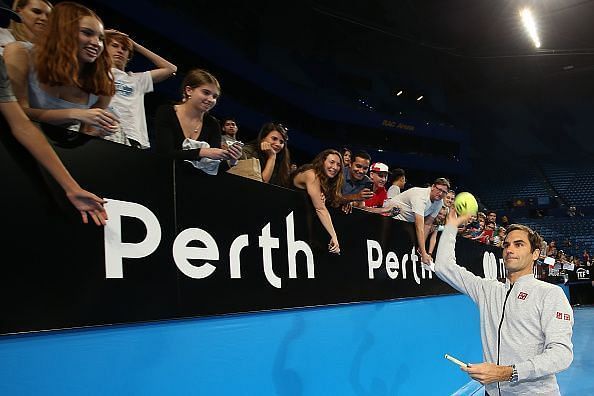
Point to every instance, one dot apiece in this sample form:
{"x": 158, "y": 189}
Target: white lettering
{"x": 293, "y": 247}
{"x": 267, "y": 243}
{"x": 392, "y": 265}
{"x": 373, "y": 264}
{"x": 403, "y": 265}
{"x": 395, "y": 268}
{"x": 182, "y": 252}
{"x": 234, "y": 260}
{"x": 489, "y": 265}
{"x": 414, "y": 258}
{"x": 115, "y": 249}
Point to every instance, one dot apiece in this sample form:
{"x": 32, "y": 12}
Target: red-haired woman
{"x": 65, "y": 78}
{"x": 323, "y": 180}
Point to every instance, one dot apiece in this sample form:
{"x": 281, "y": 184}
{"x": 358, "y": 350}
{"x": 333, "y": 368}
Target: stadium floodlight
{"x": 530, "y": 26}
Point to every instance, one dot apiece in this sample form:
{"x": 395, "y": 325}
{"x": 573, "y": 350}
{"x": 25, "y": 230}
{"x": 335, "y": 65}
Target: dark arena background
{"x": 221, "y": 285}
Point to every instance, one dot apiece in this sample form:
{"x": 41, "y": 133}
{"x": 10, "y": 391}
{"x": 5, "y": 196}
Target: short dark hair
{"x": 442, "y": 181}
{"x": 225, "y": 119}
{"x": 361, "y": 154}
{"x": 533, "y": 237}
{"x": 398, "y": 173}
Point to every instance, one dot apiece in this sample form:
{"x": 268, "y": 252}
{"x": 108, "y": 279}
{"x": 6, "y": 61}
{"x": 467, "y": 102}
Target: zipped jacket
{"x": 527, "y": 324}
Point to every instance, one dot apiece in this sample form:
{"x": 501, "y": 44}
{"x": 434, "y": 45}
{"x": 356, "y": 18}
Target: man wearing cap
{"x": 420, "y": 205}
{"x": 379, "y": 175}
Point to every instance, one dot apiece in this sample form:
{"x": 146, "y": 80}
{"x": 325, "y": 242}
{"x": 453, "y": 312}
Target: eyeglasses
{"x": 441, "y": 190}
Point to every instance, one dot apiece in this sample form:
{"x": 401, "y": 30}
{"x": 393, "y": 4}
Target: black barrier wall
{"x": 180, "y": 243}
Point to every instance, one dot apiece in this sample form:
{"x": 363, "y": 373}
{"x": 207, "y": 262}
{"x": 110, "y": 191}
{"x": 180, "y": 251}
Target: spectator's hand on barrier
{"x": 365, "y": 194}
{"x": 88, "y": 204}
{"x": 333, "y": 246}
{"x": 267, "y": 148}
{"x": 98, "y": 117}
{"x": 390, "y": 211}
{"x": 487, "y": 373}
{"x": 426, "y": 258}
{"x": 347, "y": 207}
{"x": 94, "y": 130}
{"x": 395, "y": 211}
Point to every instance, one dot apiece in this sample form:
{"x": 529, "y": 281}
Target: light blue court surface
{"x": 373, "y": 349}
{"x": 379, "y": 349}
{"x": 578, "y": 380}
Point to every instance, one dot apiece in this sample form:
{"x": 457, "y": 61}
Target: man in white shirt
{"x": 128, "y": 102}
{"x": 420, "y": 206}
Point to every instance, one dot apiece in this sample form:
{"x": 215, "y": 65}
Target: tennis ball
{"x": 465, "y": 203}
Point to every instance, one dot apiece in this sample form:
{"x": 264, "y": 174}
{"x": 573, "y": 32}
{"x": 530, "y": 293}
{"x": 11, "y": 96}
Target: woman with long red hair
{"x": 65, "y": 79}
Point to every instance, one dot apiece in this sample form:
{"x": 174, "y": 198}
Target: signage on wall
{"x": 180, "y": 243}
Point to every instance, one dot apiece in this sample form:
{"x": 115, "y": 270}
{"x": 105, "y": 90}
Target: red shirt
{"x": 377, "y": 201}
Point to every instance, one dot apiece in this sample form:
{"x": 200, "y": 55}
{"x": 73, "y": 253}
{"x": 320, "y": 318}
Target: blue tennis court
{"x": 578, "y": 379}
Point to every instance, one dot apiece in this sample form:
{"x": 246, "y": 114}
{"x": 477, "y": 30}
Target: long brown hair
{"x": 18, "y": 29}
{"x": 283, "y": 159}
{"x": 331, "y": 187}
{"x": 56, "y": 56}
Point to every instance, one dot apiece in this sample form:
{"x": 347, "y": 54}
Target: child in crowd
{"x": 65, "y": 79}
{"x": 476, "y": 227}
{"x": 323, "y": 179}
{"x": 130, "y": 88}
{"x": 499, "y": 238}
{"x": 187, "y": 131}
{"x": 347, "y": 155}
{"x": 436, "y": 227}
{"x": 270, "y": 148}
{"x": 487, "y": 234}
{"x": 33, "y": 21}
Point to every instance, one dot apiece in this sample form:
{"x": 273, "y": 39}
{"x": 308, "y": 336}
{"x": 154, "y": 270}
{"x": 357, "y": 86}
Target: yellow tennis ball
{"x": 465, "y": 203}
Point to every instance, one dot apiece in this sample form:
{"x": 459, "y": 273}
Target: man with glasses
{"x": 420, "y": 205}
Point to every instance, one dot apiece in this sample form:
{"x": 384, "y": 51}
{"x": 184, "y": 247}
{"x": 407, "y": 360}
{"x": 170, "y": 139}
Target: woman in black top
{"x": 270, "y": 148}
{"x": 190, "y": 119}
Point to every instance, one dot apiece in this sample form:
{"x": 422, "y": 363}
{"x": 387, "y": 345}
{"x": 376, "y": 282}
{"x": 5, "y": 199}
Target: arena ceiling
{"x": 474, "y": 55}
{"x": 472, "y": 59}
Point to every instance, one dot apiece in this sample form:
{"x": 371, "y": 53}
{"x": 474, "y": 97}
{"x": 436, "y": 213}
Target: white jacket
{"x": 534, "y": 333}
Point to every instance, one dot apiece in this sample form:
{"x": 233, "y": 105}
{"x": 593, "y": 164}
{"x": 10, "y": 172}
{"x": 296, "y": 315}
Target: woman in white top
{"x": 34, "y": 15}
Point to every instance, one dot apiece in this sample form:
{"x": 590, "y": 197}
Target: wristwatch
{"x": 514, "y": 375}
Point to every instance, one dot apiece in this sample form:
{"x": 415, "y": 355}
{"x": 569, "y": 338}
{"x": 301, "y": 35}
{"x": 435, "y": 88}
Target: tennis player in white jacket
{"x": 526, "y": 324}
